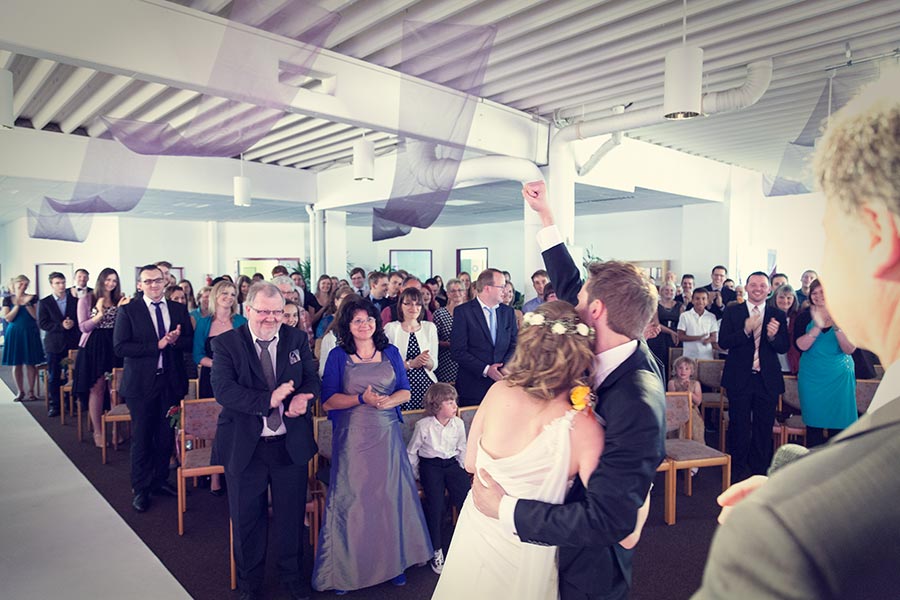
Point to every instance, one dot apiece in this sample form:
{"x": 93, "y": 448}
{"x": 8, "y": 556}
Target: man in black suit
{"x": 754, "y": 335}
{"x": 719, "y": 295}
{"x": 826, "y": 526}
{"x": 58, "y": 316}
{"x": 618, "y": 302}
{"x": 152, "y": 335}
{"x": 81, "y": 287}
{"x": 264, "y": 376}
{"x": 483, "y": 338}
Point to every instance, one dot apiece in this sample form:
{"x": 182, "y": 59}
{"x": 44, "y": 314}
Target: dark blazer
{"x": 739, "y": 362}
{"x": 728, "y": 295}
{"x": 241, "y": 388}
{"x": 135, "y": 340}
{"x": 58, "y": 340}
{"x": 826, "y": 526}
{"x": 631, "y": 402}
{"x": 471, "y": 346}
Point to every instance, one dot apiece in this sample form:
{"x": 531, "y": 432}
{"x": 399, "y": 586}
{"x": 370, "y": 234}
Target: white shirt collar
{"x": 609, "y": 360}
{"x": 888, "y": 389}
{"x": 149, "y": 302}
{"x": 761, "y": 305}
{"x": 485, "y": 306}
{"x": 255, "y": 339}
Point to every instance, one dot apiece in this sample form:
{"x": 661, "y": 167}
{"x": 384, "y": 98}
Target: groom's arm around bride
{"x": 618, "y": 301}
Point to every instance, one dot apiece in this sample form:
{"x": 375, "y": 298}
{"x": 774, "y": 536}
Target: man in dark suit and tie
{"x": 58, "y": 316}
{"x": 81, "y": 287}
{"x": 618, "y": 302}
{"x": 754, "y": 335}
{"x": 264, "y": 377}
{"x": 719, "y": 295}
{"x": 152, "y": 335}
{"x": 483, "y": 338}
{"x": 828, "y": 524}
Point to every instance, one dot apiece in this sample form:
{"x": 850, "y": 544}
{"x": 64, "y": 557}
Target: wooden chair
{"x": 467, "y": 414}
{"x": 793, "y": 426}
{"x": 117, "y": 413}
{"x": 879, "y": 371}
{"x": 668, "y": 467}
{"x": 673, "y": 354}
{"x": 408, "y": 426}
{"x": 198, "y": 422}
{"x": 41, "y": 381}
{"x": 686, "y": 454}
{"x": 193, "y": 389}
{"x": 66, "y": 390}
{"x": 709, "y": 374}
{"x": 865, "y": 391}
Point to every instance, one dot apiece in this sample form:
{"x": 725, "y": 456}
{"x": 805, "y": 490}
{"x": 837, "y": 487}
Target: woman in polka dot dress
{"x": 417, "y": 340}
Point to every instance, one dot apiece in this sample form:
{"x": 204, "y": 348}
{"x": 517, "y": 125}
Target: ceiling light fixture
{"x": 682, "y": 98}
{"x": 363, "y": 159}
{"x": 6, "y": 100}
{"x": 242, "y": 188}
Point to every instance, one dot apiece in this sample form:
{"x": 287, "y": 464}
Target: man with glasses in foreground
{"x": 264, "y": 377}
{"x": 152, "y": 335}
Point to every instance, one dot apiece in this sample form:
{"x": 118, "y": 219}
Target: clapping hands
{"x": 170, "y": 338}
{"x": 299, "y": 405}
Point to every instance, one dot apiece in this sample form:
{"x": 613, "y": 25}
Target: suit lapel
{"x": 282, "y": 358}
{"x": 252, "y": 353}
{"x": 478, "y": 311}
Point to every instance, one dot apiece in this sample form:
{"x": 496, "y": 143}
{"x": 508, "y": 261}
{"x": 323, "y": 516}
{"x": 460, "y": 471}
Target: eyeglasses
{"x": 361, "y": 322}
{"x": 267, "y": 313}
{"x": 157, "y": 281}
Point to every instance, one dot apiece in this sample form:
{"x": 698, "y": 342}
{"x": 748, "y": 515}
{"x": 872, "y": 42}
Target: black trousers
{"x": 816, "y": 436}
{"x": 751, "y": 414}
{"x": 54, "y": 376}
{"x": 437, "y": 475}
{"x": 152, "y": 438}
{"x": 248, "y": 506}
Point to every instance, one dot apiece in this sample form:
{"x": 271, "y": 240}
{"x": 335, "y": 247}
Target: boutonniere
{"x": 581, "y": 397}
{"x": 294, "y": 356}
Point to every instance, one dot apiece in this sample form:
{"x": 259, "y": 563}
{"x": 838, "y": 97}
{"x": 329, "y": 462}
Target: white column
{"x": 335, "y": 243}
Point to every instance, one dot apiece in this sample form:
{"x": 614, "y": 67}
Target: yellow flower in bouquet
{"x": 581, "y": 397}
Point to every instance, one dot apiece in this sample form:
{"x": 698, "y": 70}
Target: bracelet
{"x": 360, "y": 398}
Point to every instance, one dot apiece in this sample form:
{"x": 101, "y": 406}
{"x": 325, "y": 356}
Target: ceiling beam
{"x": 177, "y": 46}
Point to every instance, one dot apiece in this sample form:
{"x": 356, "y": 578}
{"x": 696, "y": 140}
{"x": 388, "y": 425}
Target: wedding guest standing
{"x": 222, "y": 317}
{"x": 417, "y": 340}
{"x": 58, "y": 317}
{"x": 372, "y": 495}
{"x": 22, "y": 348}
{"x": 443, "y": 319}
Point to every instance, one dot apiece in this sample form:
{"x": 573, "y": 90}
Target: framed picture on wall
{"x": 42, "y": 272}
{"x": 471, "y": 260}
{"x": 415, "y": 262}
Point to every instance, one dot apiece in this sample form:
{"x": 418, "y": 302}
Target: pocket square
{"x": 294, "y": 356}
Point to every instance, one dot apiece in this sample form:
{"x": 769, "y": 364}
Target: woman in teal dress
{"x": 826, "y": 380}
{"x": 22, "y": 339}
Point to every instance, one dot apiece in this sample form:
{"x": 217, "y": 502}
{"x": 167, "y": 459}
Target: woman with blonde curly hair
{"x": 534, "y": 433}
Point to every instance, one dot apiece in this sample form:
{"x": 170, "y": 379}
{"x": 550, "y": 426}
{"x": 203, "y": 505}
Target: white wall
{"x": 259, "y": 240}
{"x": 793, "y": 228}
{"x": 182, "y": 243}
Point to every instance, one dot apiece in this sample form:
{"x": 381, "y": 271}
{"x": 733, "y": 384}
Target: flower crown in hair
{"x": 559, "y": 327}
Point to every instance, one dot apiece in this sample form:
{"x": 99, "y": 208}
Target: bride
{"x": 533, "y": 433}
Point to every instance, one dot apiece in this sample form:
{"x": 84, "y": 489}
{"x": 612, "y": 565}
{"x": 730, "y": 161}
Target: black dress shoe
{"x": 217, "y": 493}
{"x": 141, "y": 502}
{"x": 166, "y": 489}
{"x": 53, "y": 412}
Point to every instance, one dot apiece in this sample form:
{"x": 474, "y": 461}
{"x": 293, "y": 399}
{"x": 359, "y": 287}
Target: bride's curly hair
{"x": 547, "y": 363}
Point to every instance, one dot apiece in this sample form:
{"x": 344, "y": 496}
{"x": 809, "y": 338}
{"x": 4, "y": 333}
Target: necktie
{"x": 273, "y": 419}
{"x": 160, "y": 328}
{"x": 492, "y": 323}
{"x": 757, "y": 332}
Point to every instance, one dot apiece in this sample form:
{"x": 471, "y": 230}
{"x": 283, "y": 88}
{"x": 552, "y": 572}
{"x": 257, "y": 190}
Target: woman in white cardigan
{"x": 417, "y": 341}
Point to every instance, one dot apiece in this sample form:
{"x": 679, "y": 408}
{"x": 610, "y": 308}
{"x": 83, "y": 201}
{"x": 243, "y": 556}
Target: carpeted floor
{"x": 668, "y": 562}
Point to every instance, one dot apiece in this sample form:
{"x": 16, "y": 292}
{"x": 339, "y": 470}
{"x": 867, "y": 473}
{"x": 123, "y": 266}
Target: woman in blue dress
{"x": 826, "y": 380}
{"x": 374, "y": 527}
{"x": 22, "y": 339}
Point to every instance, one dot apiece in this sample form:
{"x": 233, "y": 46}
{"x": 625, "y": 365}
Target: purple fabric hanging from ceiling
{"x": 794, "y": 174}
{"x": 47, "y": 224}
{"x": 426, "y": 171}
{"x": 249, "y": 118}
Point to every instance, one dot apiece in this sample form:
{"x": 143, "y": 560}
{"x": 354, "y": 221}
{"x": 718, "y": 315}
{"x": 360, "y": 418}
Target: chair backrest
{"x": 73, "y": 356}
{"x": 865, "y": 391}
{"x": 408, "y": 426}
{"x": 791, "y": 395}
{"x": 115, "y": 384}
{"x": 678, "y": 412}
{"x": 199, "y": 418}
{"x": 467, "y": 414}
{"x": 323, "y": 431}
{"x": 673, "y": 354}
{"x": 193, "y": 389}
{"x": 879, "y": 371}
{"x": 709, "y": 373}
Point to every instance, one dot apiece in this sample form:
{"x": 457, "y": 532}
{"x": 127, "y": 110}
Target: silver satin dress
{"x": 374, "y": 527}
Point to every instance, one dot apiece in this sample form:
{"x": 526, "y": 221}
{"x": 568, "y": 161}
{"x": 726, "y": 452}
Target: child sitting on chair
{"x": 685, "y": 369}
{"x": 437, "y": 452}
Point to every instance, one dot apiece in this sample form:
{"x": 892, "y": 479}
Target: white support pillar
{"x": 335, "y": 247}
{"x": 212, "y": 250}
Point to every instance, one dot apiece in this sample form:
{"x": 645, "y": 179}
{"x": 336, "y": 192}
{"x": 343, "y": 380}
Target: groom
{"x": 618, "y": 302}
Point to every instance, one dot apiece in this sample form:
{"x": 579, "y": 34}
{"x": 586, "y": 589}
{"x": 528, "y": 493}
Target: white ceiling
{"x": 573, "y": 58}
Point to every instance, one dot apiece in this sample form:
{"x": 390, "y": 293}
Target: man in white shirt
{"x": 697, "y": 328}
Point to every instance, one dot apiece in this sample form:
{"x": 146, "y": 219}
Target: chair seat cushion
{"x": 119, "y": 410}
{"x": 198, "y": 457}
{"x": 680, "y": 450}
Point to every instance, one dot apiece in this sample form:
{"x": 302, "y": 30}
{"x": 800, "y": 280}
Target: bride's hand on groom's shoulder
{"x": 487, "y": 494}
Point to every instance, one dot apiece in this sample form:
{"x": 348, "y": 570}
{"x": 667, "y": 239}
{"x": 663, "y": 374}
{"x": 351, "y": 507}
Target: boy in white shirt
{"x": 437, "y": 452}
{"x": 698, "y": 328}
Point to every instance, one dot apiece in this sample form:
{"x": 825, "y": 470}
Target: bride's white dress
{"x": 485, "y": 561}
